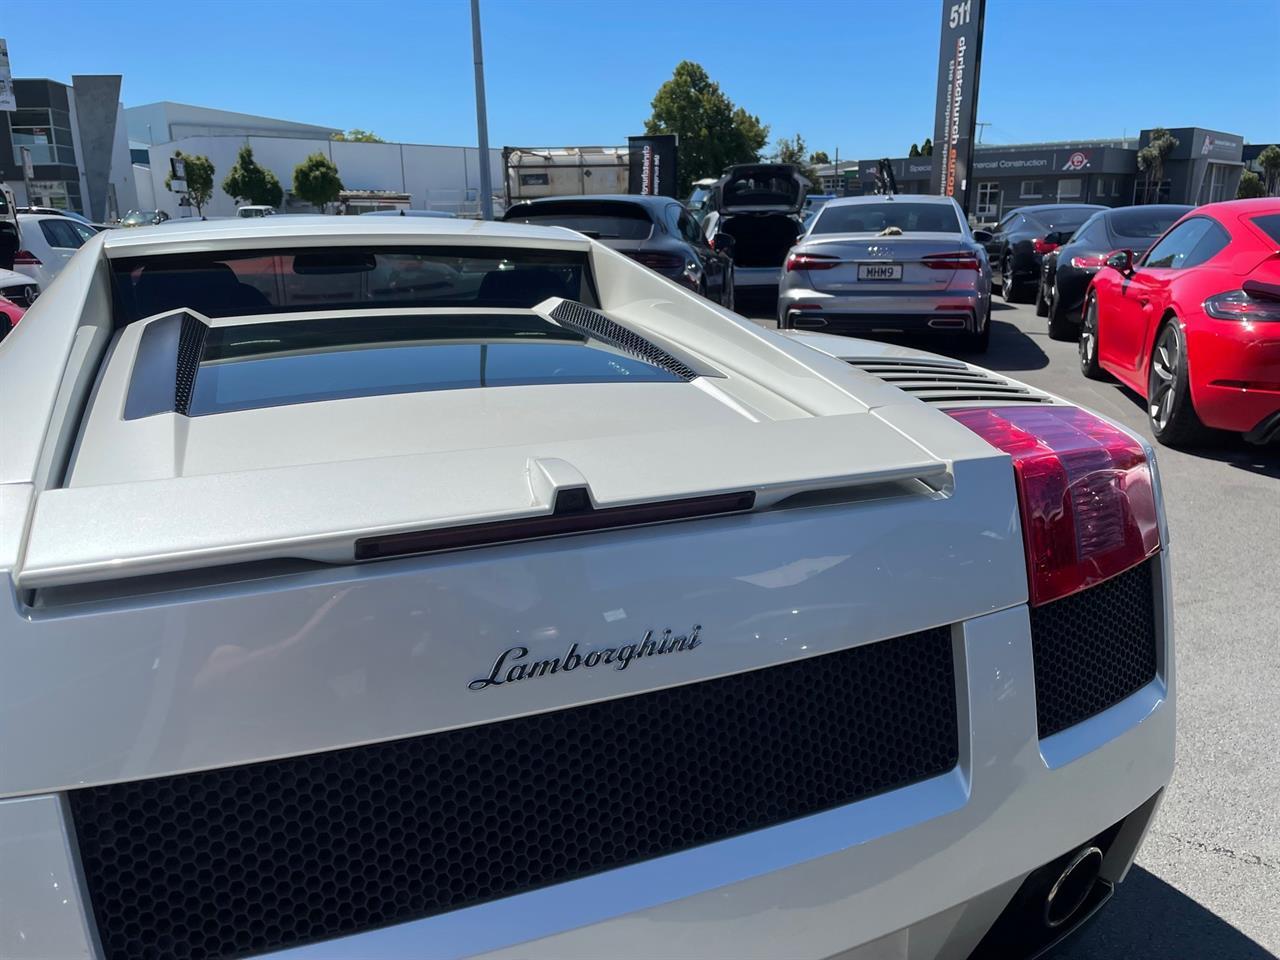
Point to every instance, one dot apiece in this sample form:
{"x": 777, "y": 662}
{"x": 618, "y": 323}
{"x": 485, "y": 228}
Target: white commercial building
{"x": 434, "y": 177}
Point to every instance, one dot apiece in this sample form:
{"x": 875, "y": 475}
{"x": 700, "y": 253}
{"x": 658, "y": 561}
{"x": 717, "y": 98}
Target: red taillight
{"x": 25, "y": 258}
{"x": 1085, "y": 490}
{"x": 1239, "y": 305}
{"x": 1040, "y": 245}
{"x": 951, "y": 261}
{"x": 1095, "y": 262}
{"x": 811, "y": 261}
{"x": 658, "y": 261}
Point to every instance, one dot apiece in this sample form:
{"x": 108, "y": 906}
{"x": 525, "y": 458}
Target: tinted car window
{"x": 607, "y": 221}
{"x": 228, "y": 284}
{"x": 254, "y": 365}
{"x": 1060, "y": 218}
{"x": 1189, "y": 244}
{"x": 1093, "y": 234}
{"x": 876, "y": 217}
{"x": 1141, "y": 224}
{"x": 688, "y": 228}
{"x": 59, "y": 233}
{"x": 1270, "y": 225}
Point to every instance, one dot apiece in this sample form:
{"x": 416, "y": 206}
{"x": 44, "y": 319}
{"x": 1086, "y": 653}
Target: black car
{"x": 656, "y": 231}
{"x": 1026, "y": 234}
{"x": 1066, "y": 272}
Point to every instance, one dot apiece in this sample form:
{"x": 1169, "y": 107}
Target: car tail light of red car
{"x": 1041, "y": 245}
{"x": 1085, "y": 489}
{"x": 811, "y": 261}
{"x": 1255, "y": 302}
{"x": 951, "y": 261}
{"x": 661, "y": 262}
{"x": 1095, "y": 262}
{"x": 25, "y": 258}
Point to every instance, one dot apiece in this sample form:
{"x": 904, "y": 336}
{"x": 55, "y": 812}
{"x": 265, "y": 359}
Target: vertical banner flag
{"x": 652, "y": 170}
{"x": 8, "y": 99}
{"x": 959, "y": 56}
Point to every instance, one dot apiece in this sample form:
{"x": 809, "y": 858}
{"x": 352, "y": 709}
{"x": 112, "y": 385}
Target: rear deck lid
{"x": 214, "y": 442}
{"x": 762, "y": 188}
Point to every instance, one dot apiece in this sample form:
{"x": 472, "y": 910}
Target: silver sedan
{"x": 888, "y": 264}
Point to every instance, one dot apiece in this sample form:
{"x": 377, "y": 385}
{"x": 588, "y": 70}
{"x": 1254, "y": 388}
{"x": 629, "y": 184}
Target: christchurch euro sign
{"x": 515, "y": 664}
{"x": 955, "y": 114}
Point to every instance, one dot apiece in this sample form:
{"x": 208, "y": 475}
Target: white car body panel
{"x": 181, "y": 596}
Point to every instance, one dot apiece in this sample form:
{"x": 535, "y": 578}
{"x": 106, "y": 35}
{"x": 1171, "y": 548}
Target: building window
{"x": 46, "y": 133}
{"x": 1214, "y": 187}
{"x": 988, "y": 201}
{"x": 1069, "y": 189}
{"x": 59, "y": 194}
{"x": 1100, "y": 188}
{"x": 1115, "y": 187}
{"x": 1151, "y": 191}
{"x": 1031, "y": 190}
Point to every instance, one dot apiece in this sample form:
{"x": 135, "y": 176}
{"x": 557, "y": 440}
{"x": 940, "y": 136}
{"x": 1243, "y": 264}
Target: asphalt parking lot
{"x": 1207, "y": 880}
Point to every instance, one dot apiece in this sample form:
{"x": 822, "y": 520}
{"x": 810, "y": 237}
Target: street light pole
{"x": 482, "y": 122}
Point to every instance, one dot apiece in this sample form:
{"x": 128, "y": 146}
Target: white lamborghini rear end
{"x": 399, "y": 589}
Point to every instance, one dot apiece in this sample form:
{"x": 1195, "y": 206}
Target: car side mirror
{"x": 1121, "y": 260}
{"x": 983, "y": 236}
{"x": 723, "y": 243}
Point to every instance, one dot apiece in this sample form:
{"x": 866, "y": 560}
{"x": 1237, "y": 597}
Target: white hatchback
{"x": 48, "y": 242}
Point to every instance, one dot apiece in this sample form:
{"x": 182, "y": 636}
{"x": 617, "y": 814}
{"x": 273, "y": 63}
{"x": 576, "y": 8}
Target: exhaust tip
{"x": 1072, "y": 887}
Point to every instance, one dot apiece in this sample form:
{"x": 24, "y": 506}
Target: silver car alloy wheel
{"x": 1089, "y": 334}
{"x": 1166, "y": 365}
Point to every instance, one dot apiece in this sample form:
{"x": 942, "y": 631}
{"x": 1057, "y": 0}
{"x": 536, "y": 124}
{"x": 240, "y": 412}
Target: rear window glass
{"x": 1061, "y": 218}
{"x": 1270, "y": 225}
{"x": 255, "y": 365}
{"x": 1143, "y": 223}
{"x": 613, "y": 221}
{"x": 878, "y": 217}
{"x": 249, "y": 282}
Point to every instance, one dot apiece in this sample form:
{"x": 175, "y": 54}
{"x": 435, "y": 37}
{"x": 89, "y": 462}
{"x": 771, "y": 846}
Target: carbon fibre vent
{"x": 1093, "y": 648}
{"x": 588, "y": 322}
{"x": 227, "y": 863}
{"x": 190, "y": 349}
{"x": 943, "y": 381}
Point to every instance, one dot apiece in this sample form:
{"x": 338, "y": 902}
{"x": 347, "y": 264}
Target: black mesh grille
{"x": 575, "y": 316}
{"x": 190, "y": 348}
{"x": 1093, "y": 649}
{"x": 230, "y": 862}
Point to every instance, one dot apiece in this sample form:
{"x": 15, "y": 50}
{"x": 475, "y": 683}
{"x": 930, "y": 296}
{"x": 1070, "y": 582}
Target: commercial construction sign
{"x": 959, "y": 56}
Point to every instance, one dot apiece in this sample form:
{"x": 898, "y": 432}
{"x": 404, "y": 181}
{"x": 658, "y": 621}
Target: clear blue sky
{"x": 857, "y": 74}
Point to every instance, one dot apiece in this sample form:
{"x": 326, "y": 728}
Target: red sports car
{"x": 1194, "y": 324}
{"x": 10, "y": 314}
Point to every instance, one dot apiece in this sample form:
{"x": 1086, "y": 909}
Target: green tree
{"x": 926, "y": 148}
{"x": 914, "y": 151}
{"x": 794, "y": 151}
{"x": 1270, "y": 161}
{"x": 252, "y": 184}
{"x": 316, "y": 181}
{"x": 1250, "y": 186}
{"x": 356, "y": 135}
{"x": 1151, "y": 160}
{"x": 819, "y": 156}
{"x": 713, "y": 132}
{"x": 199, "y": 172}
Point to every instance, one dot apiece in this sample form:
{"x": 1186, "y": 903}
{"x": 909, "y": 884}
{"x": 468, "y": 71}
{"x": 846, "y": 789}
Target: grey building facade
{"x": 1205, "y": 166}
{"x": 75, "y": 137}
